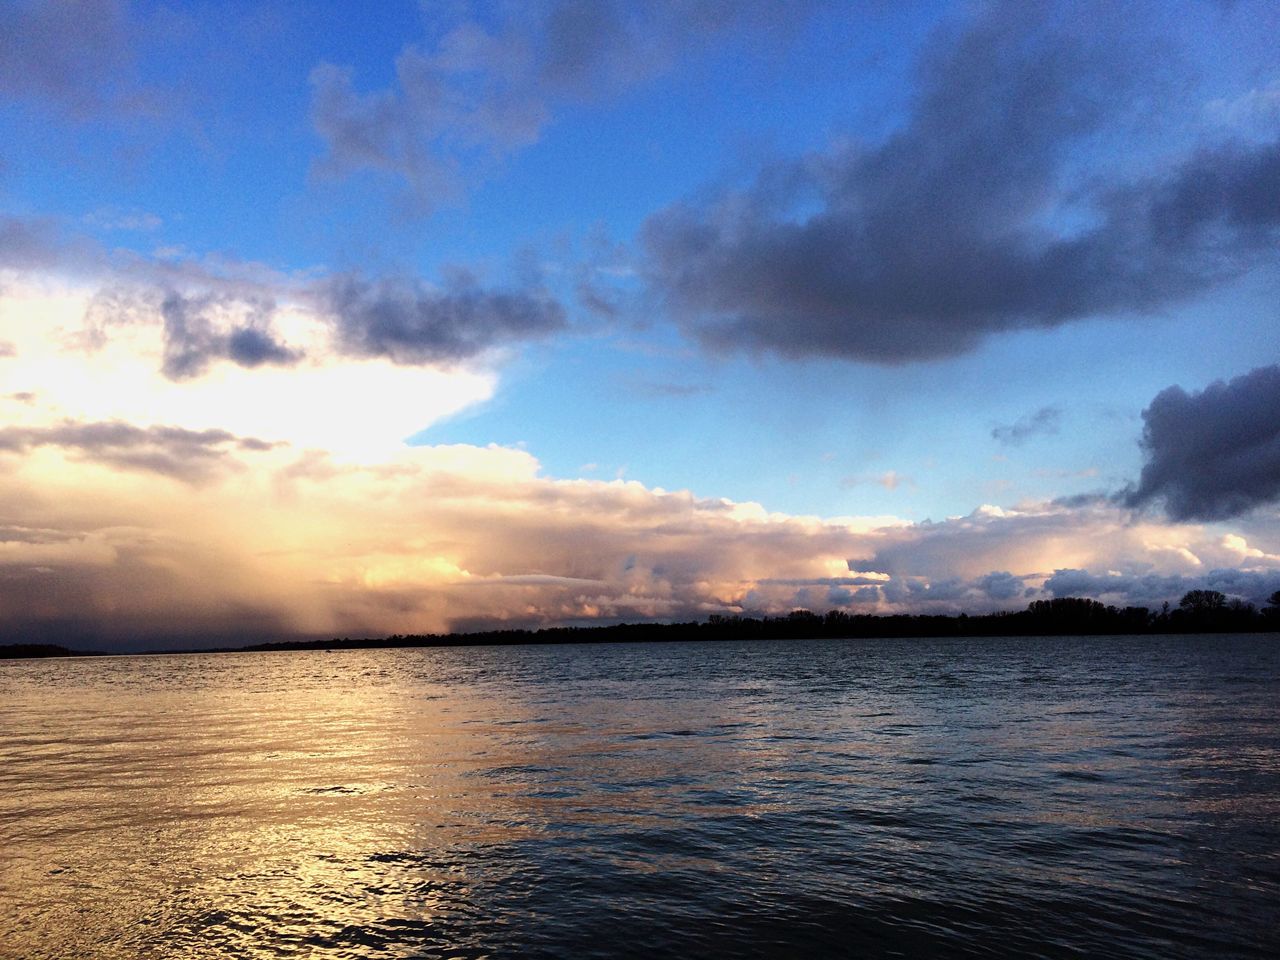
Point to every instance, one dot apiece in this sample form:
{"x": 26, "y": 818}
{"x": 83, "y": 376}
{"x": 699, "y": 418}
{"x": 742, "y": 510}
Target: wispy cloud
{"x": 477, "y": 91}
{"x": 889, "y": 479}
{"x": 110, "y": 218}
{"x": 193, "y": 456}
{"x": 1044, "y": 422}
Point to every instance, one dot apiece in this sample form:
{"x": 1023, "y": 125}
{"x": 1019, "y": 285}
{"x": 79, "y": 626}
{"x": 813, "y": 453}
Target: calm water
{"x": 1056, "y": 797}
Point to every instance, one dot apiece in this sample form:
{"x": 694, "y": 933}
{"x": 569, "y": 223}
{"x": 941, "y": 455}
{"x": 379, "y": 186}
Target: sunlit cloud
{"x": 280, "y": 500}
{"x": 82, "y": 369}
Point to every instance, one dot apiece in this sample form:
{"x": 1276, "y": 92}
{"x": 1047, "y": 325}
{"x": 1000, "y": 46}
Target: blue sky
{"x": 866, "y": 260}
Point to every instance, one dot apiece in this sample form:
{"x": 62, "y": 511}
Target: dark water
{"x": 1059, "y": 797}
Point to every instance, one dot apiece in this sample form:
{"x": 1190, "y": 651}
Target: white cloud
{"x": 353, "y": 408}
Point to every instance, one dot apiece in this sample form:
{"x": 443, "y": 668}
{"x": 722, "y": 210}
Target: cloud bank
{"x": 457, "y": 537}
{"x": 203, "y": 510}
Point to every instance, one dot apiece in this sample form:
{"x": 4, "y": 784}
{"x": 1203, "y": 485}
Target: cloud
{"x": 409, "y": 323}
{"x": 427, "y": 539}
{"x": 73, "y": 53}
{"x": 213, "y": 310}
{"x": 481, "y": 90}
{"x": 1152, "y": 589}
{"x": 1032, "y": 539}
{"x": 280, "y": 542}
{"x": 113, "y": 218}
{"x": 1215, "y": 454}
{"x": 973, "y": 218}
{"x": 35, "y": 243}
{"x": 1053, "y": 549}
{"x": 1255, "y": 111}
{"x": 1044, "y": 421}
{"x": 193, "y": 456}
{"x": 1001, "y": 585}
{"x": 342, "y": 530}
{"x": 667, "y": 389}
{"x": 49, "y": 247}
{"x": 1231, "y": 192}
{"x": 195, "y": 335}
{"x": 89, "y": 353}
{"x": 891, "y": 480}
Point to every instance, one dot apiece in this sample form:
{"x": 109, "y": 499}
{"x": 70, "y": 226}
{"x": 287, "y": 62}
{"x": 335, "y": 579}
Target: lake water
{"x": 1033, "y": 797}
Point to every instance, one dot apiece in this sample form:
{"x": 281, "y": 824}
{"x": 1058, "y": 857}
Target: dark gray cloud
{"x": 1230, "y": 188}
{"x": 230, "y": 318}
{"x": 921, "y": 593}
{"x": 482, "y": 90}
{"x": 1215, "y": 454}
{"x": 973, "y": 218}
{"x": 953, "y": 594}
{"x": 410, "y": 323}
{"x": 192, "y": 456}
{"x": 1043, "y": 421}
{"x": 71, "y": 52}
{"x": 1001, "y": 585}
{"x": 194, "y": 338}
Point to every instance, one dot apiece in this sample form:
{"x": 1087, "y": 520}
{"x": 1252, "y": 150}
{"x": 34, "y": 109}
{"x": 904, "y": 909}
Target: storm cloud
{"x": 1215, "y": 454}
{"x": 972, "y": 218}
{"x": 409, "y": 322}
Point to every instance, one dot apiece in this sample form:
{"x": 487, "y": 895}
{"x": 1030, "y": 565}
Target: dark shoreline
{"x": 1064, "y": 616}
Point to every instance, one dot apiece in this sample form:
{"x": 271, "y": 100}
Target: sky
{"x": 318, "y": 320}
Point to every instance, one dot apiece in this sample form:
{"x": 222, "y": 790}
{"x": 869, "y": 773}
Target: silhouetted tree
{"x": 1271, "y": 612}
{"x": 1203, "y": 601}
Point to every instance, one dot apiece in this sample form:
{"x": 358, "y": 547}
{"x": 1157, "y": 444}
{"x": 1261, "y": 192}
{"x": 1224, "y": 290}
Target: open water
{"x": 1036, "y": 797}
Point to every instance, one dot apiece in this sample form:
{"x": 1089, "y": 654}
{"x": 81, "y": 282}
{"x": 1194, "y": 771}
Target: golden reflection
{"x": 254, "y": 786}
{"x": 410, "y": 802}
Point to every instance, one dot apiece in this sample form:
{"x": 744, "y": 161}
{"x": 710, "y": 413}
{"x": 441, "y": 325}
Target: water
{"x": 1034, "y": 797}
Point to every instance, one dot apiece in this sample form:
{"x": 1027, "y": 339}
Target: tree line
{"x": 1199, "y": 611}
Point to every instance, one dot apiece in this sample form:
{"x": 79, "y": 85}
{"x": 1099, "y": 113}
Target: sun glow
{"x": 355, "y": 410}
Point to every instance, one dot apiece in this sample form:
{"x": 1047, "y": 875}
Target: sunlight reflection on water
{"x": 959, "y": 796}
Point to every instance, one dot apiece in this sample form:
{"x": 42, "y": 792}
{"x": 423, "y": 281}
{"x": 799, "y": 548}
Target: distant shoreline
{"x": 1064, "y": 616}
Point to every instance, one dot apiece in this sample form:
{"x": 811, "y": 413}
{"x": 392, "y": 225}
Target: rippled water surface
{"x": 1051, "y": 797}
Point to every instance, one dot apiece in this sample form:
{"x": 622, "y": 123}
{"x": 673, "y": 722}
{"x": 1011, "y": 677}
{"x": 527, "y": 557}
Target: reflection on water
{"x": 966, "y": 797}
